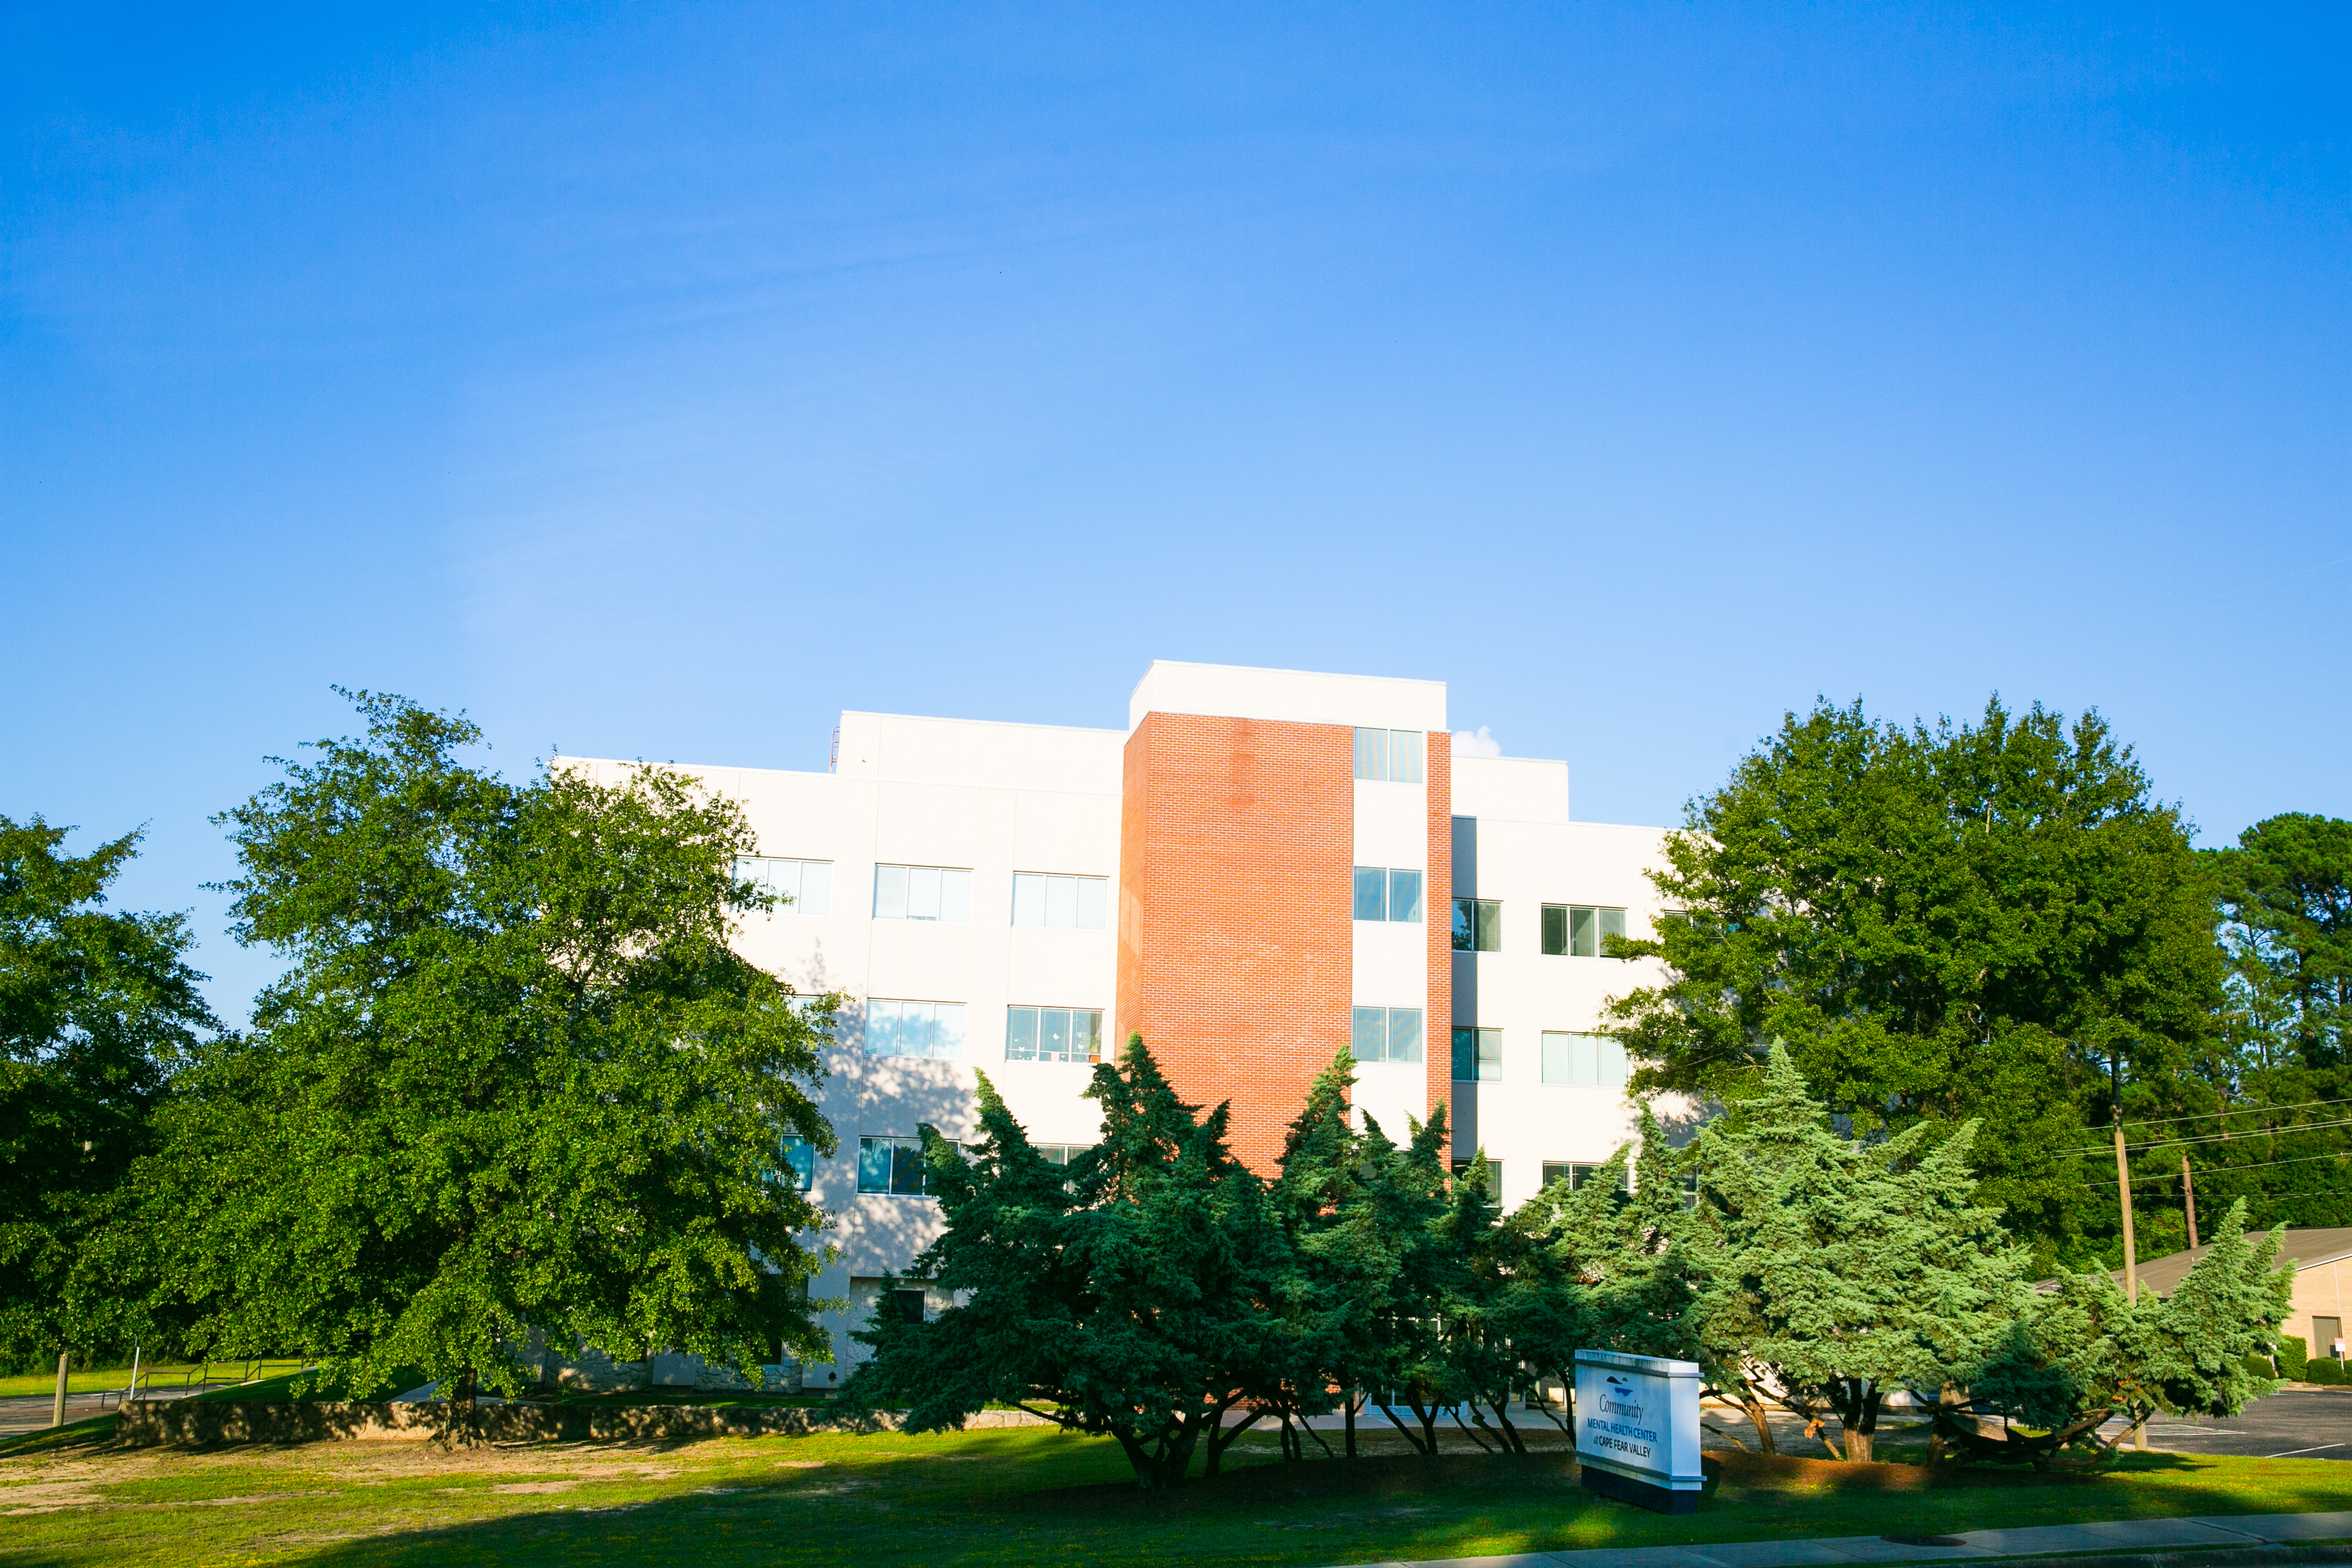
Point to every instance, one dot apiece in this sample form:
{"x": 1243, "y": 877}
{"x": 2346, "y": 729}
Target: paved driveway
{"x": 2316, "y": 1425}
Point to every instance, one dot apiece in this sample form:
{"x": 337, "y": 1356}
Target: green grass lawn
{"x": 97, "y": 1379}
{"x": 1019, "y": 1496}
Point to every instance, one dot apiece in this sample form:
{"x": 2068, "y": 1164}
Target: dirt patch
{"x": 48, "y": 1497}
{"x": 514, "y": 1488}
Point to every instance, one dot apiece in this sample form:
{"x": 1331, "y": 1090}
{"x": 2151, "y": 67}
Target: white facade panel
{"x": 1391, "y": 824}
{"x": 977, "y": 751}
{"x": 1520, "y": 1120}
{"x": 1391, "y": 963}
{"x": 1523, "y": 789}
{"x": 1301, "y": 696}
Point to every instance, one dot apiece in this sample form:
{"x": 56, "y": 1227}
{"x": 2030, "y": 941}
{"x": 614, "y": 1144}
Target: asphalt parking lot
{"x": 2309, "y": 1426}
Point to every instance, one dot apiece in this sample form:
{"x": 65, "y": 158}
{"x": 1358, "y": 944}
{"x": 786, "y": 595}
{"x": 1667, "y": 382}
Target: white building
{"x": 1263, "y": 867}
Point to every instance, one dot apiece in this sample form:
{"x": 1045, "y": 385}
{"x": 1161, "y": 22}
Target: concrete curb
{"x": 2207, "y": 1541}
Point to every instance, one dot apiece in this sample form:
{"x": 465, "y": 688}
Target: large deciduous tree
{"x": 514, "y": 1088}
{"x": 1991, "y": 921}
{"x": 97, "y": 1009}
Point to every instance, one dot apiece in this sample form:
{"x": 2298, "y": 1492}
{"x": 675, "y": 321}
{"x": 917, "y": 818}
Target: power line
{"x": 2241, "y": 1110}
{"x": 2222, "y": 1170}
{"x": 2217, "y": 1137}
{"x": 2229, "y": 1137}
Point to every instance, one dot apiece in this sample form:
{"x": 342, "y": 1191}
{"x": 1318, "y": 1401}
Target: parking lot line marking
{"x": 2290, "y": 1453}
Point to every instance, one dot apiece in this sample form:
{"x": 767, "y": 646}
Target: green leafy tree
{"x": 2286, "y": 901}
{"x": 1990, "y": 923}
{"x": 1143, "y": 1294}
{"x": 97, "y": 1009}
{"x": 1617, "y": 1273}
{"x": 2286, "y": 892}
{"x": 2086, "y": 1353}
{"x": 1840, "y": 1270}
{"x": 1382, "y": 1246}
{"x": 515, "y": 1087}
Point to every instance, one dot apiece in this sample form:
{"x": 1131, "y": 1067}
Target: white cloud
{"x": 1478, "y": 744}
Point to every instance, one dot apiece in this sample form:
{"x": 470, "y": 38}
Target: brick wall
{"x": 1438, "y": 1043}
{"x": 1235, "y": 944}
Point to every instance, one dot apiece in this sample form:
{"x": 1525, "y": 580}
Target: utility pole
{"x": 2123, "y": 1188}
{"x": 57, "y": 1410}
{"x": 2188, "y": 1199}
{"x": 2123, "y": 1172}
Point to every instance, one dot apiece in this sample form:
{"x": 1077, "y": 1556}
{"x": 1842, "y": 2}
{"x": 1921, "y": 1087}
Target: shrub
{"x": 2259, "y": 1366}
{"x": 2326, "y": 1370}
{"x": 2291, "y": 1355}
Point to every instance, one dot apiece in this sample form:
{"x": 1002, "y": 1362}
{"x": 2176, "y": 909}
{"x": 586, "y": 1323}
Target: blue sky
{"x": 659, "y": 381}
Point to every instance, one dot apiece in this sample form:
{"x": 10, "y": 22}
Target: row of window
{"x": 1569, "y": 931}
{"x": 895, "y": 1166}
{"x": 1580, "y": 1175}
{"x": 936, "y": 1030}
{"x": 1054, "y": 902}
{"x": 1394, "y": 755}
{"x": 1052, "y": 1034}
{"x": 1577, "y": 1061}
{"x": 940, "y": 893}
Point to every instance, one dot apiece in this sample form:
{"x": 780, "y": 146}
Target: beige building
{"x": 2322, "y": 1258}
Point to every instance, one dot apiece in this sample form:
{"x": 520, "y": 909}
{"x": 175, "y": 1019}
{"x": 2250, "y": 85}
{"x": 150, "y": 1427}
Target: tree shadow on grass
{"x": 984, "y": 1504}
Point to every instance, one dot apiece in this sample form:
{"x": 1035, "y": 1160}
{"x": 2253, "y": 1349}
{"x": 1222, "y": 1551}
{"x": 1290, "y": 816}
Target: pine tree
{"x": 1841, "y": 1269}
{"x": 1143, "y": 1299}
{"x": 2087, "y": 1353}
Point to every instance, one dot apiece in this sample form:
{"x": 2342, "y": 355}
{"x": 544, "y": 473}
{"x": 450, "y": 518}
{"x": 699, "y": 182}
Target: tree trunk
{"x": 1759, "y": 1418}
{"x": 1351, "y": 1402}
{"x": 1858, "y": 1418}
{"x": 1406, "y": 1431}
{"x": 1220, "y": 1437}
{"x": 1426, "y": 1414}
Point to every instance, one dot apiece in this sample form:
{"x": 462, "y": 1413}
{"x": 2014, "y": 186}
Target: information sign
{"x": 1637, "y": 1429}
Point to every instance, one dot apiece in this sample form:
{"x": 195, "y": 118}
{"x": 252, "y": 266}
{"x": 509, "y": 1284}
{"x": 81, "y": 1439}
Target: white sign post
{"x": 1637, "y": 1429}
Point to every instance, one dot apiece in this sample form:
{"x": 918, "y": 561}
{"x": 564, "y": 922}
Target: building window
{"x": 904, "y": 1306}
{"x": 922, "y": 893}
{"x": 1387, "y": 893}
{"x": 892, "y": 1166}
{"x": 1583, "y": 1061}
{"x": 1477, "y": 925}
{"x": 914, "y": 1029}
{"x": 1576, "y": 931}
{"x": 1052, "y": 1034}
{"x": 1478, "y": 1056}
{"x": 1386, "y": 1034}
{"x": 1390, "y": 755}
{"x": 804, "y": 887}
{"x": 1059, "y": 903}
{"x": 1577, "y": 1175}
{"x": 796, "y": 1163}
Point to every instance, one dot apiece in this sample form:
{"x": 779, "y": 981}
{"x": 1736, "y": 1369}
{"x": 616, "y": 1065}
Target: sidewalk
{"x": 2210, "y": 1531}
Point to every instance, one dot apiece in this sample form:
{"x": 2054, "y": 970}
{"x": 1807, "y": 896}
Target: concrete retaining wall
{"x": 199, "y": 1421}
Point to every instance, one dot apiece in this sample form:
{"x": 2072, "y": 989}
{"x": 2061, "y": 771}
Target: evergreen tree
{"x": 1143, "y": 1294}
{"x": 1844, "y": 1269}
{"x": 2087, "y": 1353}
